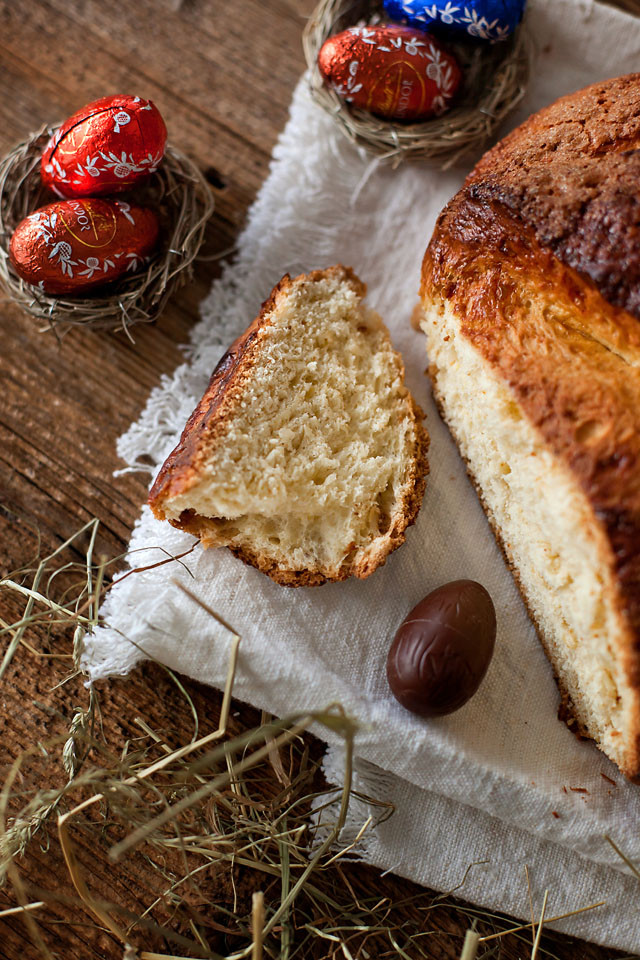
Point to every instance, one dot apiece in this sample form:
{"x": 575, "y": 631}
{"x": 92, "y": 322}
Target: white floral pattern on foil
{"x": 135, "y": 262}
{"x": 351, "y": 87}
{"x": 92, "y": 265}
{"x": 61, "y": 251}
{"x": 437, "y": 69}
{"x": 120, "y": 119}
{"x": 53, "y": 165}
{"x": 125, "y": 210}
{"x": 463, "y": 16}
{"x": 122, "y": 166}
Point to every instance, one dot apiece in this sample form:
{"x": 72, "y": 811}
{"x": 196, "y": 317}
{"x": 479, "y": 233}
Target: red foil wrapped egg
{"x": 106, "y": 147}
{"x": 394, "y": 72}
{"x": 71, "y": 246}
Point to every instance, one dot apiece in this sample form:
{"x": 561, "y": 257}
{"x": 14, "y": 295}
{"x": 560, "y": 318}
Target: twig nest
{"x": 177, "y": 193}
{"x": 495, "y": 77}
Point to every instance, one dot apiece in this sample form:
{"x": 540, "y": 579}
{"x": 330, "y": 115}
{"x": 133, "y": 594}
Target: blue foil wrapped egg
{"x": 478, "y": 19}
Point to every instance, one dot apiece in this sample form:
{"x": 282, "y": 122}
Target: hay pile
{"x": 242, "y": 834}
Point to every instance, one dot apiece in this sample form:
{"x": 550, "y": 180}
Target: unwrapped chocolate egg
{"x": 106, "y": 147}
{"x": 71, "y": 246}
{"x": 391, "y": 71}
{"x": 479, "y": 19}
{"x": 443, "y": 649}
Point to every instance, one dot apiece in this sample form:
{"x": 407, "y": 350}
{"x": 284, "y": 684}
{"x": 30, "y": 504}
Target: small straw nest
{"x": 495, "y": 80}
{"x": 178, "y": 193}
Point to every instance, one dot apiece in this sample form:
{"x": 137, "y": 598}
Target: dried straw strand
{"x": 257, "y": 923}
{"x": 28, "y": 906}
{"x": 526, "y": 926}
{"x": 175, "y": 755}
{"x": 79, "y": 882}
{"x": 145, "y": 955}
{"x": 536, "y": 944}
{"x": 533, "y": 919}
{"x": 623, "y": 856}
{"x": 470, "y": 946}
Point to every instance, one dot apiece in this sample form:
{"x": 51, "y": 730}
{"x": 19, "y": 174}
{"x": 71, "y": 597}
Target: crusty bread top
{"x": 539, "y": 257}
{"x": 572, "y": 173}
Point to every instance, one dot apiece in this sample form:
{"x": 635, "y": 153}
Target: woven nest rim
{"x": 501, "y": 71}
{"x": 177, "y": 190}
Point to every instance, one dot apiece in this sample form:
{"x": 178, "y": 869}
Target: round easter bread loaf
{"x": 531, "y": 297}
{"x": 306, "y": 456}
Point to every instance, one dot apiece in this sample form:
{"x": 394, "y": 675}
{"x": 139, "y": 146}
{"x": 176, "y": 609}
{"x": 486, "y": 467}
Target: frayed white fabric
{"x": 487, "y": 782}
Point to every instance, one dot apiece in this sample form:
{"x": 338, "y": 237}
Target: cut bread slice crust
{"x": 306, "y": 456}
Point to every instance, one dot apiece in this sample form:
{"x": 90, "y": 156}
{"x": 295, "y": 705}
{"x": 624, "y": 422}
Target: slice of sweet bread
{"x": 306, "y": 456}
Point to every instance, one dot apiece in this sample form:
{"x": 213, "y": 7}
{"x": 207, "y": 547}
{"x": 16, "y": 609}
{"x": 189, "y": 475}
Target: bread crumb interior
{"x": 313, "y": 466}
{"x": 546, "y": 525}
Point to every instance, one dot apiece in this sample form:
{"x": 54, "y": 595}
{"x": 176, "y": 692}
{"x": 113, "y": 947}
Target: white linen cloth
{"x": 485, "y": 783}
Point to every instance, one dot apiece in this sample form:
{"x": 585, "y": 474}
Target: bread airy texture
{"x": 306, "y": 456}
{"x": 531, "y": 299}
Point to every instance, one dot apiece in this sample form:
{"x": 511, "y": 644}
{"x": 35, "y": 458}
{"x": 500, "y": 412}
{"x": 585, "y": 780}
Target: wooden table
{"x": 223, "y": 84}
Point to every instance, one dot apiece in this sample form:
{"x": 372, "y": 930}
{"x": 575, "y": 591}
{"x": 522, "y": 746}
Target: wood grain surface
{"x": 222, "y": 75}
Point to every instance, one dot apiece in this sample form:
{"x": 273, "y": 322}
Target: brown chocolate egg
{"x": 71, "y": 246}
{"x": 394, "y": 72}
{"x": 106, "y": 147}
{"x": 443, "y": 649}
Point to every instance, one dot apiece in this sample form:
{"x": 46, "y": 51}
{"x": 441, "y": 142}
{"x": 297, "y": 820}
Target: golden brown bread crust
{"x": 182, "y": 467}
{"x": 571, "y": 173}
{"x": 552, "y": 207}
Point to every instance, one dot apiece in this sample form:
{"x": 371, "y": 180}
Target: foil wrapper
{"x": 394, "y": 72}
{"x": 106, "y": 147}
{"x": 479, "y": 19}
{"x": 72, "y": 246}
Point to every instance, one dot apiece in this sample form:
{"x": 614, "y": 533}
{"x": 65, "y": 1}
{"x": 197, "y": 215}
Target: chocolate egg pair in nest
{"x": 495, "y": 77}
{"x": 177, "y": 193}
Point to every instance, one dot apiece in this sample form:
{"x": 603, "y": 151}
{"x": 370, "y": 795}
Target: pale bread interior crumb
{"x": 545, "y": 522}
{"x": 315, "y": 462}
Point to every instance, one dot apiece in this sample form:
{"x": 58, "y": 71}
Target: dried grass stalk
{"x": 470, "y": 947}
{"x": 525, "y": 926}
{"x": 495, "y": 80}
{"x": 179, "y": 194}
{"x": 536, "y": 943}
